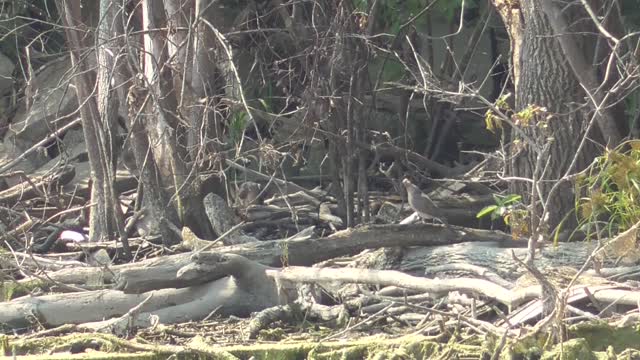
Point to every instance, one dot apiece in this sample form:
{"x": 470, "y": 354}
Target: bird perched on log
{"x": 248, "y": 194}
{"x": 422, "y": 204}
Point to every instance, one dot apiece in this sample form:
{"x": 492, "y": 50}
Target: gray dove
{"x": 421, "y": 203}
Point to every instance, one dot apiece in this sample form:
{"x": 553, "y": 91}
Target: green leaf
{"x": 511, "y": 199}
{"x": 486, "y": 211}
{"x": 237, "y": 126}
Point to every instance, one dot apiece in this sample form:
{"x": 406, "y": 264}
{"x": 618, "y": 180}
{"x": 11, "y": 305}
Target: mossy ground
{"x": 589, "y": 341}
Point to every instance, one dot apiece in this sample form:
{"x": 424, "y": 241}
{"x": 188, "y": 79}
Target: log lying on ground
{"x": 306, "y": 252}
{"x": 491, "y": 250}
{"x": 160, "y": 273}
{"x": 253, "y": 287}
{"x": 248, "y": 289}
{"x": 493, "y": 257}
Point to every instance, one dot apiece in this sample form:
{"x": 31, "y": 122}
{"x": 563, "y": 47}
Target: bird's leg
{"x": 443, "y": 222}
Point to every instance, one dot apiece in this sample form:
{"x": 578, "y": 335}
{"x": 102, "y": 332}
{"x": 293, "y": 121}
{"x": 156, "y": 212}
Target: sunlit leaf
{"x": 486, "y": 211}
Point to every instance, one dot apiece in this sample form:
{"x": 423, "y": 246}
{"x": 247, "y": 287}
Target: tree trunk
{"x": 177, "y": 188}
{"x": 545, "y": 75}
{"x": 108, "y": 103}
{"x": 105, "y": 219}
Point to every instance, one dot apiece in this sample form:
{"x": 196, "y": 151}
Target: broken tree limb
{"x": 399, "y": 279}
{"x": 484, "y": 288}
{"x": 307, "y": 252}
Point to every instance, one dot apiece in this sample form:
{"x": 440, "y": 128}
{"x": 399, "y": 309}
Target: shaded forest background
{"x": 347, "y": 95}
{"x": 284, "y": 131}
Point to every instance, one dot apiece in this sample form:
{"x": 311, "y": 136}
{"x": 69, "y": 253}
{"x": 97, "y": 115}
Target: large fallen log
{"x": 161, "y": 272}
{"x": 231, "y": 284}
{"x": 308, "y": 251}
{"x": 239, "y": 287}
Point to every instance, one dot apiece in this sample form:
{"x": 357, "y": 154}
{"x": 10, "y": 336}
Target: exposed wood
{"x": 310, "y": 251}
{"x": 247, "y": 291}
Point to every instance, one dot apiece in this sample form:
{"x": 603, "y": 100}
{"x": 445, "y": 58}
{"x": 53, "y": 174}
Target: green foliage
{"x": 491, "y": 120}
{"x": 504, "y": 204}
{"x": 510, "y": 209}
{"x": 238, "y": 125}
{"x": 610, "y": 189}
{"x": 526, "y": 116}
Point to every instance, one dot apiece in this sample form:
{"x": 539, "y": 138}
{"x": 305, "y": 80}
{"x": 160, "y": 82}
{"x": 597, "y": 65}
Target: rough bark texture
{"x": 102, "y": 220}
{"x": 202, "y": 83}
{"x": 176, "y": 197}
{"x": 108, "y": 103}
{"x": 543, "y": 77}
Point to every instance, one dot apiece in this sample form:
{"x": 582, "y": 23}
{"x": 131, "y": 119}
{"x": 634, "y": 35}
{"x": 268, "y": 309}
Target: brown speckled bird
{"x": 421, "y": 203}
{"x": 248, "y": 193}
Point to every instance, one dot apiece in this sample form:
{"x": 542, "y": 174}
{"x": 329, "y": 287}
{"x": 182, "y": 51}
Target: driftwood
{"x": 493, "y": 257}
{"x": 304, "y": 252}
{"x": 491, "y": 251}
{"x": 246, "y": 290}
{"x": 161, "y": 272}
{"x": 235, "y": 285}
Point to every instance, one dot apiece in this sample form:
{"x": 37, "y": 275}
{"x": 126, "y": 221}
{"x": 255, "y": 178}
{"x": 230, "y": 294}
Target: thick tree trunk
{"x": 546, "y": 80}
{"x": 202, "y": 74}
{"x": 545, "y": 76}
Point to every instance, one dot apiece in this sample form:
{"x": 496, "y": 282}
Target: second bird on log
{"x": 248, "y": 194}
{"x": 422, "y": 204}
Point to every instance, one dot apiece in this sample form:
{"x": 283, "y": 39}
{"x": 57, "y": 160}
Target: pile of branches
{"x": 358, "y": 282}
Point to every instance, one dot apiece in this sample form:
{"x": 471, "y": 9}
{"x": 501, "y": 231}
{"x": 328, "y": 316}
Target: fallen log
{"x": 240, "y": 287}
{"x": 306, "y": 252}
{"x": 161, "y": 272}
